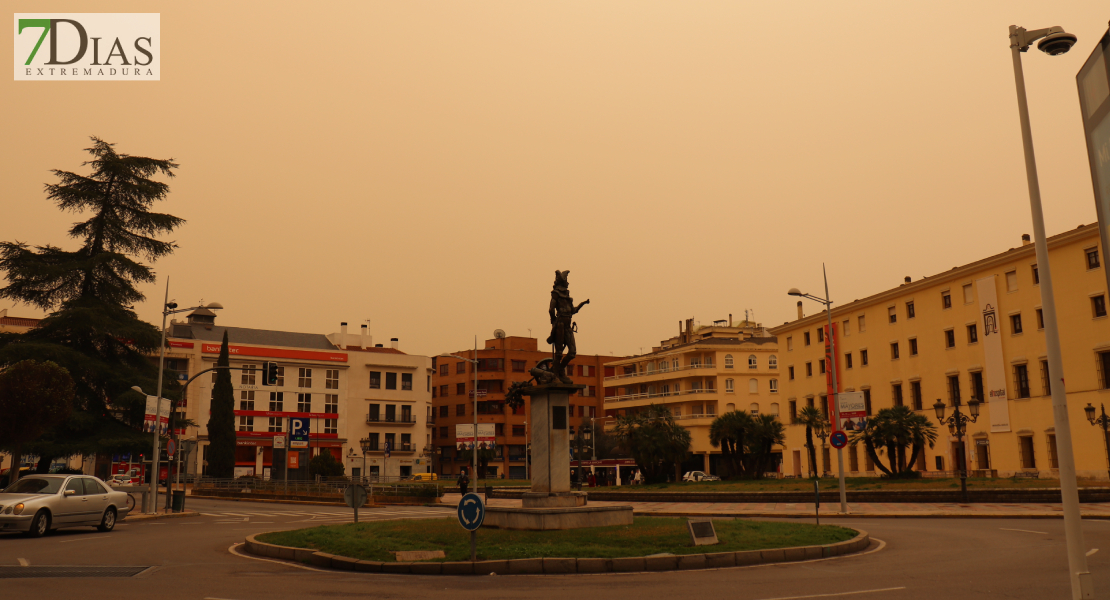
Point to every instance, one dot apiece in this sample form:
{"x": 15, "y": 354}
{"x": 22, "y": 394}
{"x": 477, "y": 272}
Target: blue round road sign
{"x": 471, "y": 512}
{"x": 838, "y": 439}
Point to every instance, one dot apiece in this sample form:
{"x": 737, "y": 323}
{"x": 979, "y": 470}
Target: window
{"x": 274, "y": 424}
{"x": 953, "y": 390}
{"x": 894, "y": 351}
{"x": 390, "y": 381}
{"x": 1046, "y": 381}
{"x": 1040, "y": 319}
{"x": 331, "y": 379}
{"x": 728, "y": 361}
{"x": 915, "y": 394}
{"x": 847, "y": 360}
{"x": 1015, "y": 324}
{"x": 1011, "y": 281}
{"x": 376, "y": 380}
{"x": 277, "y": 401}
{"x": 304, "y": 403}
{"x": 790, "y": 372}
{"x": 753, "y": 363}
{"x": 304, "y": 378}
{"x": 1025, "y": 451}
{"x": 774, "y": 409}
{"x": 862, "y": 324}
{"x": 1098, "y": 305}
{"x": 497, "y": 364}
{"x": 949, "y": 338}
{"x": 972, "y": 333}
{"x": 729, "y": 385}
{"x": 248, "y": 374}
{"x": 406, "y": 414}
{"x": 867, "y": 400}
{"x": 443, "y": 392}
{"x": 1053, "y": 461}
{"x": 460, "y": 410}
{"x": 821, "y": 365}
{"x": 246, "y": 400}
{"x": 518, "y": 431}
{"x": 805, "y": 337}
{"x": 909, "y": 310}
{"x": 460, "y": 367}
{"x": 946, "y": 300}
{"x": 1092, "y": 258}
{"x": 773, "y": 362}
{"x": 820, "y": 334}
{"x": 809, "y": 369}
{"x": 892, "y": 314}
{"x": 896, "y": 394}
{"x": 844, "y": 327}
{"x": 913, "y": 346}
{"x": 773, "y": 387}
{"x": 789, "y": 343}
{"x": 969, "y": 294}
{"x": 1036, "y": 275}
{"x": 373, "y": 413}
{"x": 792, "y": 406}
{"x": 331, "y": 404}
{"x": 443, "y": 370}
{"x": 246, "y": 423}
{"x": 1021, "y": 381}
{"x": 406, "y": 381}
{"x": 863, "y": 358}
{"x": 519, "y": 366}
{"x": 753, "y": 386}
{"x": 331, "y": 425}
{"x": 754, "y": 407}
{"x": 443, "y": 413}
{"x": 1104, "y": 370}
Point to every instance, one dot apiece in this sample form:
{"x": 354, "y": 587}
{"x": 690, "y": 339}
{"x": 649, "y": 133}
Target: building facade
{"x": 699, "y": 374}
{"x": 345, "y": 388}
{"x": 974, "y": 332}
{"x": 502, "y": 361}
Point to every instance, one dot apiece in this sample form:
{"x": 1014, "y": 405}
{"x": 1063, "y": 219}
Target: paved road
{"x": 923, "y": 559}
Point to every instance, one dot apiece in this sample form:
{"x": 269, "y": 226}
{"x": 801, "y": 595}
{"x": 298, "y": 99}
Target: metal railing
{"x": 381, "y": 485}
{"x": 661, "y": 371}
{"x": 631, "y": 397}
{"x": 403, "y": 419}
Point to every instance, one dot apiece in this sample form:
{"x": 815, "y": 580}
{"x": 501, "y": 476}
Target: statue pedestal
{"x": 551, "y": 504}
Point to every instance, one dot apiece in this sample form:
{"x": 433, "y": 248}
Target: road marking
{"x": 83, "y": 539}
{"x": 837, "y": 594}
{"x": 1024, "y": 531}
{"x": 1089, "y": 552}
{"x": 23, "y": 562}
{"x": 226, "y": 514}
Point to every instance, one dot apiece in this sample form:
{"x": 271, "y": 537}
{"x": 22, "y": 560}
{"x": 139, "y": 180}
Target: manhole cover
{"x": 9, "y": 572}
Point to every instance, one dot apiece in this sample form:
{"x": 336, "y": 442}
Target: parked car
{"x": 699, "y": 476}
{"x": 38, "y": 504}
{"x": 423, "y": 477}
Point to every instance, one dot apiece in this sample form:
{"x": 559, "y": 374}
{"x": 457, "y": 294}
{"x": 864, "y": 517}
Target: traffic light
{"x": 269, "y": 373}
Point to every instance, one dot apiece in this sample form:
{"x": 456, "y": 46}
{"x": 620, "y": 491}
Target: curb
{"x": 563, "y": 566}
{"x": 1054, "y": 515}
{"x": 145, "y": 517}
{"x": 309, "y": 502}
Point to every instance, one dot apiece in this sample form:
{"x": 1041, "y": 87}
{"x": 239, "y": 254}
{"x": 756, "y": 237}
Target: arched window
{"x": 663, "y": 365}
{"x": 728, "y": 361}
{"x": 753, "y": 386}
{"x": 730, "y": 385}
{"x": 774, "y": 409}
{"x": 752, "y": 363}
{"x": 730, "y": 407}
{"x": 773, "y": 362}
{"x": 674, "y": 365}
{"x": 773, "y": 386}
{"x": 754, "y": 408}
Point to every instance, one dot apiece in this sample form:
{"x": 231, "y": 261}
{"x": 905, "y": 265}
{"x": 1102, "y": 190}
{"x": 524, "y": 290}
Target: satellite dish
{"x": 499, "y": 334}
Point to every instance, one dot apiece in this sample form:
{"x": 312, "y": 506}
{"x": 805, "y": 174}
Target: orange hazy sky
{"x": 428, "y": 165}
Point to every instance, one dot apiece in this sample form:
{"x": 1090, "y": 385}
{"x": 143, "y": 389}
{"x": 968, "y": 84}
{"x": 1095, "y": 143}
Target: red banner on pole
{"x": 832, "y": 346}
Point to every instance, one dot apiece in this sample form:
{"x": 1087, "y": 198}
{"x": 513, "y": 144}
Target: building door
{"x": 797, "y": 463}
{"x": 982, "y": 454}
{"x": 958, "y": 462}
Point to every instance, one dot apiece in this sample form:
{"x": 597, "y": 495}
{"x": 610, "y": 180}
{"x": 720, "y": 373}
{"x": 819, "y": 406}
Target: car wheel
{"x": 108, "y": 521}
{"x": 39, "y": 525}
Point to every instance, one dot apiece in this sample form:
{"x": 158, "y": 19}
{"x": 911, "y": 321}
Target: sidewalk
{"x": 855, "y": 509}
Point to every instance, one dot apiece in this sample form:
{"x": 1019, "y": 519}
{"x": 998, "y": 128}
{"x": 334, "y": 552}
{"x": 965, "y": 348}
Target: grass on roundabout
{"x": 826, "y": 483}
{"x": 375, "y": 541}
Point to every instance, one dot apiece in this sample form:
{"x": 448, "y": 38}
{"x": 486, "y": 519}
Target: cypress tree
{"x": 221, "y": 422}
{"x": 93, "y": 331}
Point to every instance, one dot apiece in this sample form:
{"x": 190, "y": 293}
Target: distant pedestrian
{"x": 464, "y": 482}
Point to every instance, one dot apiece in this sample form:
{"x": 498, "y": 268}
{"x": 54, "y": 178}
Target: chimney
{"x": 800, "y": 313}
{"x": 908, "y": 279}
{"x": 1025, "y": 239}
{"x": 680, "y": 338}
{"x": 364, "y": 339}
{"x": 393, "y": 343}
{"x": 729, "y": 324}
{"x": 689, "y": 330}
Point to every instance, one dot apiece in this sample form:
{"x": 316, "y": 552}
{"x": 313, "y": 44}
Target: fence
{"x": 323, "y": 486}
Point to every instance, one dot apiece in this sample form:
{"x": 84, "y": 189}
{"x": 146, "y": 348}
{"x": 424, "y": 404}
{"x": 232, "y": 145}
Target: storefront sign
{"x": 994, "y": 369}
{"x": 295, "y": 415}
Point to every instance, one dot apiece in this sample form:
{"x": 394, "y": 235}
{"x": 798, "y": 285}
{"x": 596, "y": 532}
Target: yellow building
{"x": 932, "y": 339}
{"x": 699, "y": 374}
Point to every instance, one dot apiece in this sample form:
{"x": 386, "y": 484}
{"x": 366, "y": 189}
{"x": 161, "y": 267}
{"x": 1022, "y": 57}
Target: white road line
{"x": 836, "y": 594}
{"x": 233, "y": 515}
{"x": 23, "y": 562}
{"x": 205, "y": 514}
{"x": 1089, "y": 552}
{"x": 1024, "y": 531}
{"x": 82, "y": 539}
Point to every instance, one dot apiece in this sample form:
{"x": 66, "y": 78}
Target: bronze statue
{"x": 562, "y": 311}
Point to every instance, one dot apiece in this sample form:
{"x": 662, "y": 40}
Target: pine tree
{"x": 93, "y": 331}
{"x": 221, "y": 422}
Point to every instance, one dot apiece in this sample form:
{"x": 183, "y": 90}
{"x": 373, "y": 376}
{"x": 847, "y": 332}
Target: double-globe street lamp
{"x": 957, "y": 425}
{"x": 1101, "y": 421}
{"x": 834, "y": 407}
{"x": 1053, "y": 41}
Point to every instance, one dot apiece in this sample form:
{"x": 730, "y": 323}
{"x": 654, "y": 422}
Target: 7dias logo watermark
{"x": 87, "y": 47}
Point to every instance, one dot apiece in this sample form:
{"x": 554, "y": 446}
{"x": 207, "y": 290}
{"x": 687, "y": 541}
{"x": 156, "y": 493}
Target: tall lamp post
{"x": 366, "y": 447}
{"x": 822, "y": 432}
{"x": 1055, "y": 42}
{"x": 1102, "y": 421}
{"x": 957, "y": 424}
{"x": 168, "y": 308}
{"x": 834, "y": 408}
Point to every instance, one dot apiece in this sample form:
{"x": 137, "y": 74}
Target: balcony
{"x": 652, "y": 396}
{"x": 431, "y": 420}
{"x": 380, "y": 447}
{"x": 379, "y": 419}
{"x": 661, "y": 371}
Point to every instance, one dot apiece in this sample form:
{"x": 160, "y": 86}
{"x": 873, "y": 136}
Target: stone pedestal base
{"x": 546, "y": 519}
{"x": 553, "y": 499}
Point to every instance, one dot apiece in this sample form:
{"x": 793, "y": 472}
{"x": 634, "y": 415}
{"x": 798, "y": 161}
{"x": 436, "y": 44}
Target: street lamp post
{"x": 957, "y": 424}
{"x": 834, "y": 408}
{"x": 1055, "y": 41}
{"x": 822, "y": 433}
{"x": 364, "y": 443}
{"x": 1102, "y": 421}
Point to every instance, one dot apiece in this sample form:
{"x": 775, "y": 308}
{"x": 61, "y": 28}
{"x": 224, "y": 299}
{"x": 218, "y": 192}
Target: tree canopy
{"x": 221, "y": 420}
{"x": 746, "y": 442}
{"x": 34, "y": 396}
{"x": 893, "y": 430}
{"x": 655, "y": 441}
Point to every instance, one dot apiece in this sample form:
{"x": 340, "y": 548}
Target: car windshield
{"x": 35, "y": 485}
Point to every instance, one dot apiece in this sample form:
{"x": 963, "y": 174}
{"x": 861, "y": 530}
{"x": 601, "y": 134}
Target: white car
{"x": 699, "y": 476}
{"x": 37, "y": 504}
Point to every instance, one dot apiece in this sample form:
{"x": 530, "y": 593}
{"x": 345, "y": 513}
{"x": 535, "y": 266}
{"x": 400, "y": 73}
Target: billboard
{"x": 163, "y": 415}
{"x": 464, "y": 436}
{"x": 832, "y": 367}
{"x": 853, "y": 411}
{"x": 1093, "y": 81}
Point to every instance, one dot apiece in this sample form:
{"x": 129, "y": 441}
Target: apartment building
{"x": 502, "y": 361}
{"x": 699, "y": 374}
{"x": 931, "y": 339}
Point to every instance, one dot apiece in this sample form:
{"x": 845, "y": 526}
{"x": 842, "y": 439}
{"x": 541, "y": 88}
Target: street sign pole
{"x": 472, "y": 512}
{"x": 817, "y": 501}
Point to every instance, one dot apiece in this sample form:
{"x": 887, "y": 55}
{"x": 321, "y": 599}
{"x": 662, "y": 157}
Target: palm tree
{"x": 766, "y": 432}
{"x": 812, "y": 419}
{"x": 728, "y": 431}
{"x": 657, "y": 443}
{"x": 893, "y": 429}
